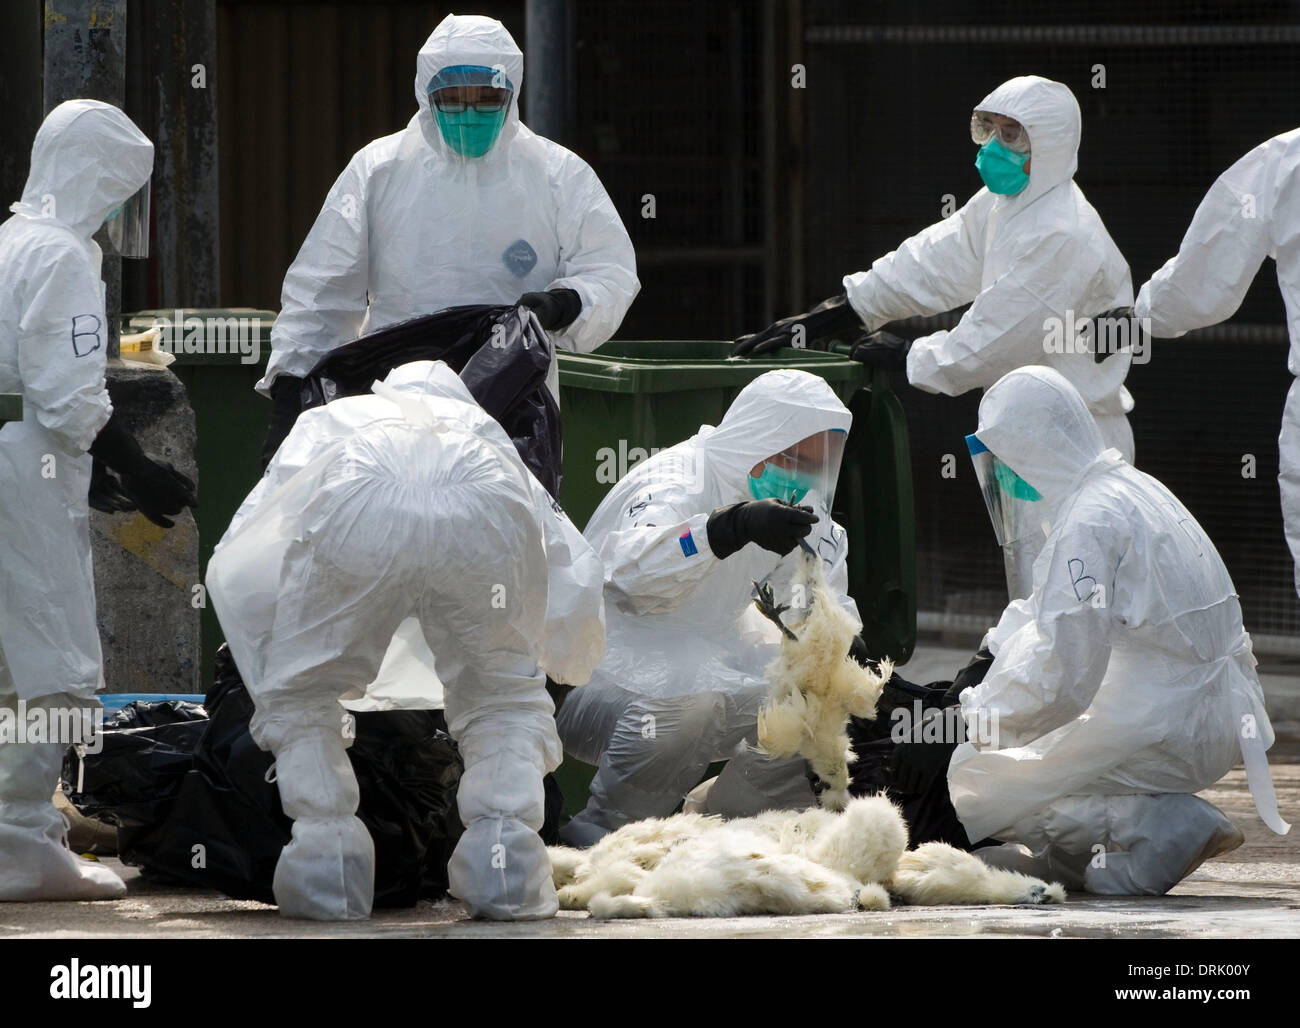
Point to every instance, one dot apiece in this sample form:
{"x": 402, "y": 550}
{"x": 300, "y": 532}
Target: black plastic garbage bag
{"x": 197, "y": 803}
{"x": 146, "y": 752}
{"x": 217, "y": 822}
{"x": 929, "y": 814}
{"x": 501, "y": 353}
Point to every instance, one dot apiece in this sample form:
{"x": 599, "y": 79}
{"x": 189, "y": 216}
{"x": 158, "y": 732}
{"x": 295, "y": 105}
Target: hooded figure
{"x": 1124, "y": 683}
{"x": 416, "y": 223}
{"x": 87, "y": 160}
{"x": 1251, "y": 212}
{"x": 392, "y": 533}
{"x": 1019, "y": 260}
{"x": 1032, "y": 264}
{"x": 682, "y": 680}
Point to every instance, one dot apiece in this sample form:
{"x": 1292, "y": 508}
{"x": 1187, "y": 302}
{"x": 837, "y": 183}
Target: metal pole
{"x": 85, "y": 56}
{"x": 546, "y": 68}
{"x": 795, "y": 143}
{"x": 772, "y": 124}
{"x": 20, "y": 94}
{"x": 182, "y": 57}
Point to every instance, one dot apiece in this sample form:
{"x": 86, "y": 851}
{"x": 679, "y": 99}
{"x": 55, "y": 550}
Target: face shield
{"x": 470, "y": 103}
{"x": 811, "y": 465}
{"x": 126, "y": 229}
{"x": 1015, "y": 506}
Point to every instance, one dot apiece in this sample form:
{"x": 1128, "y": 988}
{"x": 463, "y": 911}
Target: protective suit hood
{"x": 474, "y": 40}
{"x": 430, "y": 378}
{"x": 773, "y": 412}
{"x": 1036, "y": 422}
{"x": 88, "y": 157}
{"x": 1050, "y": 114}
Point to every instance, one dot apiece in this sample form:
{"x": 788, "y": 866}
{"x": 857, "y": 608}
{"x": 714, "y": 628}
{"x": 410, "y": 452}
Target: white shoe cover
{"x": 35, "y": 862}
{"x": 327, "y": 872}
{"x": 36, "y": 865}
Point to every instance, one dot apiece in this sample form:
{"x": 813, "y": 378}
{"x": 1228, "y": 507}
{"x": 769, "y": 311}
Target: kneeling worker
{"x": 1123, "y": 685}
{"x": 684, "y": 536}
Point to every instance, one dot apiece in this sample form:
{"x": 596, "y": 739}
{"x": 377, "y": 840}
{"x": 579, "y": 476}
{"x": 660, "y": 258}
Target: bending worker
{"x": 1123, "y": 685}
{"x": 408, "y": 504}
{"x": 1028, "y": 252}
{"x": 1251, "y": 212}
{"x": 683, "y": 537}
{"x": 90, "y": 168}
{"x": 463, "y": 206}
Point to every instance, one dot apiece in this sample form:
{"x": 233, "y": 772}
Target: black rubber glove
{"x": 106, "y": 493}
{"x": 1114, "y": 336}
{"x": 914, "y": 765}
{"x": 774, "y": 524}
{"x": 286, "y": 405}
{"x": 882, "y": 350}
{"x": 828, "y": 320}
{"x": 815, "y": 781}
{"x": 969, "y": 676}
{"x": 157, "y": 488}
{"x": 555, "y": 308}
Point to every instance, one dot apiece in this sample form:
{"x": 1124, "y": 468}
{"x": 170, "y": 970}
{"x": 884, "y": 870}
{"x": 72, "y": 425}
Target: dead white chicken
{"x": 815, "y": 684}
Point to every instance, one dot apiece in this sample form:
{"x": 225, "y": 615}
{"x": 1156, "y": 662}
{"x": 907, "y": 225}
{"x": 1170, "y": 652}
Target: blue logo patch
{"x": 688, "y": 543}
{"x": 520, "y": 258}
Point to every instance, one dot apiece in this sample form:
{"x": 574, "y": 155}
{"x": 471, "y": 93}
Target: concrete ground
{"x": 1252, "y": 892}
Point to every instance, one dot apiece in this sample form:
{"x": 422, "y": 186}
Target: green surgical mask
{"x": 1001, "y": 168}
{"x": 1012, "y": 484}
{"x": 777, "y": 483}
{"x": 471, "y": 133}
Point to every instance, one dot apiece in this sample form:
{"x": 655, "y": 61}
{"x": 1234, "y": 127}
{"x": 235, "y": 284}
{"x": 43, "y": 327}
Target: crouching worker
{"x": 408, "y": 507}
{"x": 684, "y": 537}
{"x": 1123, "y": 685}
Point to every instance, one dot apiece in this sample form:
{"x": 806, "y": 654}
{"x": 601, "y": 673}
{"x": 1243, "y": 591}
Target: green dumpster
{"x": 629, "y": 399}
{"x": 220, "y": 355}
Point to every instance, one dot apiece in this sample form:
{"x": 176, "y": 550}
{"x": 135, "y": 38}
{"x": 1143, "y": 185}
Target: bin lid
{"x": 228, "y": 334}
{"x": 666, "y": 366}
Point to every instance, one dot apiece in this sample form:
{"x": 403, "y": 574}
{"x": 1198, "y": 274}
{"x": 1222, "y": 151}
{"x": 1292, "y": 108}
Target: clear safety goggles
{"x": 811, "y": 465}
{"x": 483, "y": 99}
{"x": 126, "y": 229}
{"x": 1013, "y": 136}
{"x": 1014, "y": 505}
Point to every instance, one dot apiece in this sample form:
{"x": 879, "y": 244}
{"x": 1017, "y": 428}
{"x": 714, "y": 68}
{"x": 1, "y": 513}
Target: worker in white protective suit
{"x": 389, "y": 524}
{"x": 1123, "y": 685}
{"x": 1030, "y": 255}
{"x": 90, "y": 167}
{"x": 463, "y": 206}
{"x": 1251, "y": 212}
{"x": 683, "y": 537}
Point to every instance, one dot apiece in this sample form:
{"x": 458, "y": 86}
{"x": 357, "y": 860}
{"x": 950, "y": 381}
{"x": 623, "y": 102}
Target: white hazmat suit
{"x": 408, "y": 519}
{"x": 1023, "y": 262}
{"x": 412, "y": 227}
{"x": 1123, "y": 684}
{"x": 87, "y": 159}
{"x": 1019, "y": 261}
{"x": 1251, "y": 212}
{"x": 682, "y": 680}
